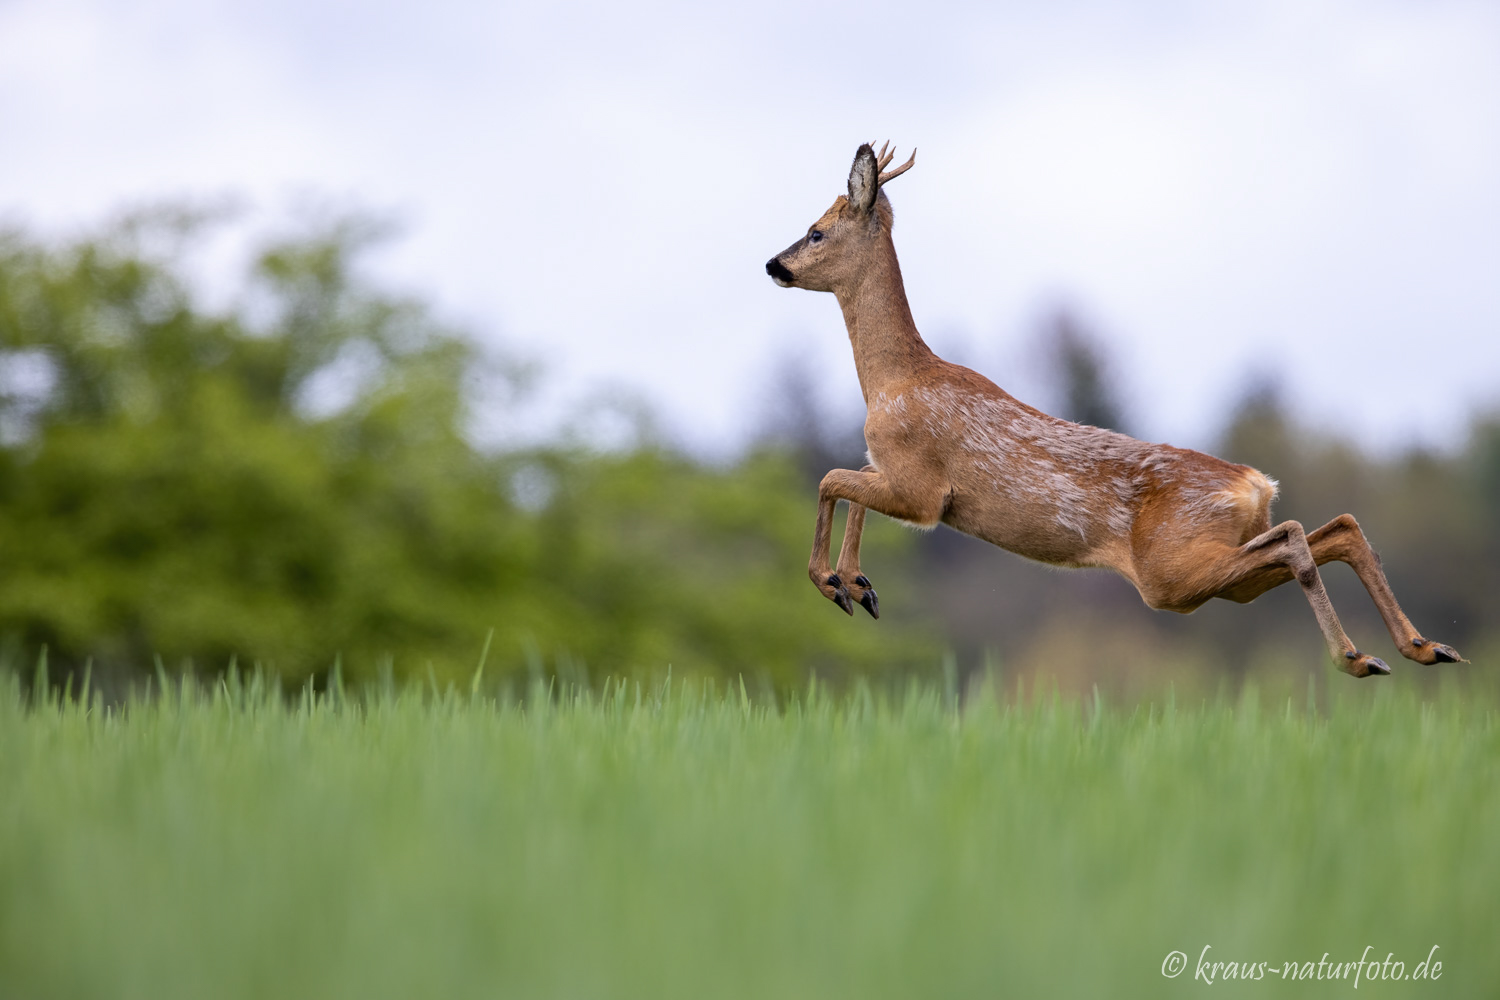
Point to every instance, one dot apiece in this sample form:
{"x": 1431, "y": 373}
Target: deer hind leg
{"x": 1342, "y": 540}
{"x": 865, "y": 489}
{"x": 1267, "y": 560}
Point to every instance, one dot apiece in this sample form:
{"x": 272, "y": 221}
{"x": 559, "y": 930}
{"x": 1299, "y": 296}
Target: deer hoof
{"x": 1429, "y": 652}
{"x": 840, "y": 595}
{"x": 1445, "y": 654}
{"x": 1358, "y": 664}
{"x": 871, "y": 603}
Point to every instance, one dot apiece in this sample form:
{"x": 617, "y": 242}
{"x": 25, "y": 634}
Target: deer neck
{"x": 887, "y": 347}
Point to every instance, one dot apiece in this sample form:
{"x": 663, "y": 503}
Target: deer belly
{"x": 1047, "y": 522}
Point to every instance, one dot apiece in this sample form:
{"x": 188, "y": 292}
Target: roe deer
{"x": 947, "y": 444}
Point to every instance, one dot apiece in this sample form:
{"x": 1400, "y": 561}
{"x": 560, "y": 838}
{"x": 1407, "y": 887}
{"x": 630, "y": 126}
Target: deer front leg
{"x": 867, "y": 488}
{"x": 861, "y": 590}
{"x": 830, "y": 584}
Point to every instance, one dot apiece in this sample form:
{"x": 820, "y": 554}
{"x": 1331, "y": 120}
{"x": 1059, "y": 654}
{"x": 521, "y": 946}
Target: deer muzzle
{"x": 778, "y": 272}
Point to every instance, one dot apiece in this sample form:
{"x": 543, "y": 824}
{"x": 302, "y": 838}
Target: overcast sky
{"x": 1306, "y": 190}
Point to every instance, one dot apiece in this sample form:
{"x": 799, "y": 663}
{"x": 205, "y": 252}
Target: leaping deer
{"x": 947, "y": 444}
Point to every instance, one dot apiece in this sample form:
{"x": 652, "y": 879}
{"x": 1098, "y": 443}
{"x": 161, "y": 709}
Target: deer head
{"x": 836, "y": 247}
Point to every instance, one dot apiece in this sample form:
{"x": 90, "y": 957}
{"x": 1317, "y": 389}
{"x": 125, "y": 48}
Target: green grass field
{"x": 667, "y": 843}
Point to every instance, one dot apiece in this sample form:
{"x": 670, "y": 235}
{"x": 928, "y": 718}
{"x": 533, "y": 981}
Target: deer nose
{"x": 778, "y": 272}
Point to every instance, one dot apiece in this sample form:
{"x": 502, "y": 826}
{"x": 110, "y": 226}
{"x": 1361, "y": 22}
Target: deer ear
{"x": 864, "y": 180}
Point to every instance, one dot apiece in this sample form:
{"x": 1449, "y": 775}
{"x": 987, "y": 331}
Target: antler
{"x": 883, "y": 159}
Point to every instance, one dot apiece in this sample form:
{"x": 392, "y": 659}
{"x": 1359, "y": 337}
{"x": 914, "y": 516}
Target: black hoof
{"x": 840, "y": 595}
{"x": 871, "y": 603}
{"x": 1445, "y": 654}
{"x": 1373, "y": 665}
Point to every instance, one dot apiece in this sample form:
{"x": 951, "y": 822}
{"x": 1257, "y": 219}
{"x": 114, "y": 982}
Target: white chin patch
{"x": 783, "y": 284}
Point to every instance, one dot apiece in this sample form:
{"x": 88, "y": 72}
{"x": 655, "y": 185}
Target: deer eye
{"x": 816, "y": 236}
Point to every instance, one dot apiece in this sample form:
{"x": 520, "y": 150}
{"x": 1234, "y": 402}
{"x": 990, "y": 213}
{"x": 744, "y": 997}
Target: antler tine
{"x": 883, "y": 158}
{"x": 893, "y": 174}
